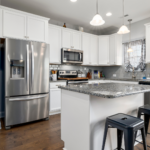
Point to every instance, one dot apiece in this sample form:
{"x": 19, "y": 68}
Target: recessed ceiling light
{"x": 73, "y": 0}
{"x": 109, "y": 14}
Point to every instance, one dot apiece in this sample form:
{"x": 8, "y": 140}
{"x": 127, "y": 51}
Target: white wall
{"x": 137, "y": 30}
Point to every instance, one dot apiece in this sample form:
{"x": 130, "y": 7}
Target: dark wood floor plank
{"x": 39, "y": 135}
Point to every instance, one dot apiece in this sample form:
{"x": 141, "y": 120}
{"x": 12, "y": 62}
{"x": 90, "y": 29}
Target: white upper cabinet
{"x": 55, "y": 44}
{"x": 22, "y": 25}
{"x": 112, "y": 50}
{"x": 86, "y": 39}
{"x": 76, "y": 40}
{"x": 104, "y": 50}
{"x": 1, "y": 24}
{"x": 71, "y": 39}
{"x": 115, "y": 49}
{"x": 147, "y": 43}
{"x": 14, "y": 25}
{"x": 66, "y": 38}
{"x": 36, "y": 29}
{"x": 94, "y": 50}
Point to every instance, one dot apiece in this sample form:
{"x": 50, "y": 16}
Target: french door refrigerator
{"x": 26, "y": 81}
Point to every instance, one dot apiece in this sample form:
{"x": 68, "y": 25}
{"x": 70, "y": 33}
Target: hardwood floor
{"x": 41, "y": 135}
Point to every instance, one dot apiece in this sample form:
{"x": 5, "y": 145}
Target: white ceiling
{"x": 81, "y": 12}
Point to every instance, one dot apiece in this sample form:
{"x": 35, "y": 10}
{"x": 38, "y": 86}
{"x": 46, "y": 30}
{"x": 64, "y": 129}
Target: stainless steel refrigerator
{"x": 26, "y": 81}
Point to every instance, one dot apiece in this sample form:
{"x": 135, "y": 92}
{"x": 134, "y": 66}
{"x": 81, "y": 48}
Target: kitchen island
{"x": 85, "y": 108}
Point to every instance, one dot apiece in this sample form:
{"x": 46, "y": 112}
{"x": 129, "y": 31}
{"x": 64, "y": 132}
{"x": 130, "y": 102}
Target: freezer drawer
{"x": 26, "y": 108}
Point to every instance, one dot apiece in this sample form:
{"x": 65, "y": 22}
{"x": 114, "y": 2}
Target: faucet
{"x": 133, "y": 73}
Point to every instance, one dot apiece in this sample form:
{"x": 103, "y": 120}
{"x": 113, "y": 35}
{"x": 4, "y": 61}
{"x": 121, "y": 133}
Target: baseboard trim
{"x": 55, "y": 112}
{"x": 2, "y": 114}
{"x": 64, "y": 149}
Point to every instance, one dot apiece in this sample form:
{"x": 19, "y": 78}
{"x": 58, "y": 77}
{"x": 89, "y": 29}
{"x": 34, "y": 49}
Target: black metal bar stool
{"x": 125, "y": 124}
{"x": 144, "y": 110}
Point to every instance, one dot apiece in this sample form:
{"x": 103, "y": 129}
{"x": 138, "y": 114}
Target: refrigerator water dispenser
{"x": 16, "y": 69}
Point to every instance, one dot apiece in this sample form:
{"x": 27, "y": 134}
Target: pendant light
{"x": 130, "y": 49}
{"x": 97, "y": 19}
{"x": 123, "y": 29}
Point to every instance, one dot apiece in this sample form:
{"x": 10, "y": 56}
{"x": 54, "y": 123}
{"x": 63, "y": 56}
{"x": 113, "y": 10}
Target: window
{"x": 135, "y": 59}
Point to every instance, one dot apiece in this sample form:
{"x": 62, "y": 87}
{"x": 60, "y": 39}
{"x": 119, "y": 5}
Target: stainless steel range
{"x": 72, "y": 77}
{"x": 26, "y": 81}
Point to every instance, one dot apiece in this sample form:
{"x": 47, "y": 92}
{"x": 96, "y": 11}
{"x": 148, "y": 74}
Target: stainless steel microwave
{"x": 71, "y": 56}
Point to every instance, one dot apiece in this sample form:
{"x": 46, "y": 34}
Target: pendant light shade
{"x": 97, "y": 19}
{"x": 130, "y": 49}
{"x": 123, "y": 29}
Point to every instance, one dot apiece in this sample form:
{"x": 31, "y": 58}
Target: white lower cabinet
{"x": 55, "y": 97}
{"x": 55, "y": 100}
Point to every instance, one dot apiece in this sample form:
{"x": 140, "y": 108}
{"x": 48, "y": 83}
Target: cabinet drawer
{"x": 54, "y": 85}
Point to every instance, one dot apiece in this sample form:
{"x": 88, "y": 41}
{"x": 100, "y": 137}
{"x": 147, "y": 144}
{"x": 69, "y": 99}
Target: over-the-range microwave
{"x": 71, "y": 56}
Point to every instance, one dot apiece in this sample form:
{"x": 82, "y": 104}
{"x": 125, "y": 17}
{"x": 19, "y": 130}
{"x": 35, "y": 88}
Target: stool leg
{"x": 146, "y": 122}
{"x": 144, "y": 138}
{"x": 119, "y": 138}
{"x": 138, "y": 116}
{"x": 129, "y": 139}
{"x": 105, "y": 135}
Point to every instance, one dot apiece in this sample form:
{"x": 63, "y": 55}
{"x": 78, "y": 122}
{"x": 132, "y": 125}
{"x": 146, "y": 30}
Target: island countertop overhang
{"x": 108, "y": 90}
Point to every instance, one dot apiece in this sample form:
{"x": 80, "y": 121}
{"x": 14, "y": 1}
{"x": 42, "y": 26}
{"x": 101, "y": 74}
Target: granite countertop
{"x": 118, "y": 79}
{"x": 108, "y": 90}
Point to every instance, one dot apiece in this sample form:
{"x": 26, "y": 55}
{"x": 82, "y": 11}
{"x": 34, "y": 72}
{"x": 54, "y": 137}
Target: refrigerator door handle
{"x": 26, "y": 98}
{"x": 32, "y": 76}
{"x": 27, "y": 68}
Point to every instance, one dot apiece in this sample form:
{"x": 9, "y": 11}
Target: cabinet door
{"x": 119, "y": 49}
{"x": 86, "y": 48}
{"x": 112, "y": 50}
{"x": 94, "y": 50}
{"x": 36, "y": 29}
{"x": 14, "y": 25}
{"x": 76, "y": 40}
{"x": 147, "y": 43}
{"x": 66, "y": 38}
{"x": 55, "y": 99}
{"x": 55, "y": 44}
{"x": 1, "y": 23}
{"x": 104, "y": 50}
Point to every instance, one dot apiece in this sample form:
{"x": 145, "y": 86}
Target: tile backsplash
{"x": 109, "y": 71}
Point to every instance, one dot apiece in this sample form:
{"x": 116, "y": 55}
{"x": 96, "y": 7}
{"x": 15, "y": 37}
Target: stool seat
{"x": 125, "y": 121}
{"x": 127, "y": 125}
{"x": 145, "y": 107}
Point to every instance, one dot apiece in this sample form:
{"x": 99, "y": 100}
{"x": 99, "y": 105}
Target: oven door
{"x": 72, "y": 56}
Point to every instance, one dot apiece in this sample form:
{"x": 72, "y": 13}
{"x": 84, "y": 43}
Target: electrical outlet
{"x": 114, "y": 75}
